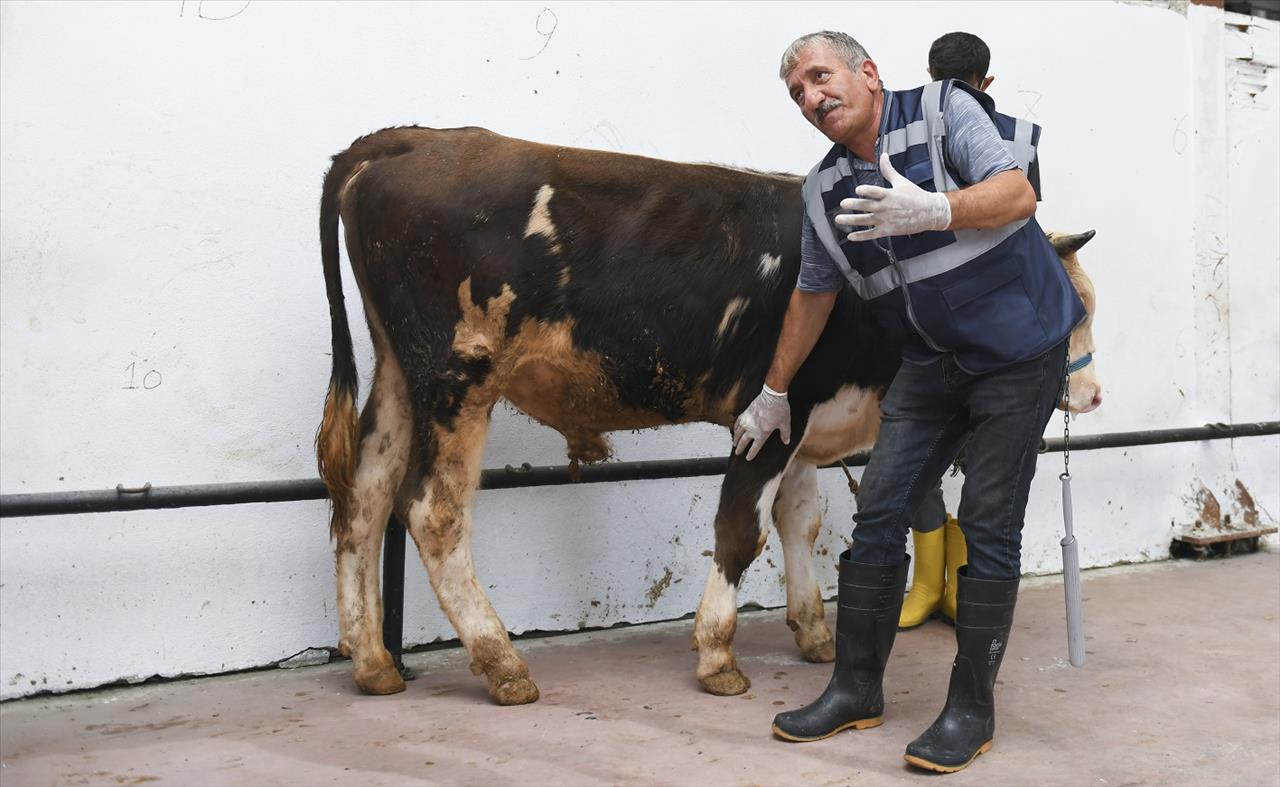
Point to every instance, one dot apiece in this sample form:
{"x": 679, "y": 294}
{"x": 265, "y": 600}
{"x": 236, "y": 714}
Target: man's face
{"x": 838, "y": 102}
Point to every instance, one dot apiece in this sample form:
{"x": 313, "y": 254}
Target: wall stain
{"x": 1208, "y": 509}
{"x": 1248, "y": 509}
{"x": 659, "y": 587}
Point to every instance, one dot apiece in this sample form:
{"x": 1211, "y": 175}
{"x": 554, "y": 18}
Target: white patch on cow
{"x": 351, "y": 180}
{"x": 769, "y": 266}
{"x": 454, "y": 578}
{"x": 540, "y": 219}
{"x": 729, "y": 320}
{"x": 384, "y": 452}
{"x": 764, "y": 506}
{"x": 353, "y": 623}
{"x": 719, "y": 598}
{"x": 716, "y": 621}
{"x": 798, "y": 517}
{"x": 383, "y": 456}
{"x": 419, "y": 507}
{"x": 847, "y": 422}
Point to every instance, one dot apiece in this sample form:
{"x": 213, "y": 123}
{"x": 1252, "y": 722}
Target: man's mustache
{"x": 826, "y": 106}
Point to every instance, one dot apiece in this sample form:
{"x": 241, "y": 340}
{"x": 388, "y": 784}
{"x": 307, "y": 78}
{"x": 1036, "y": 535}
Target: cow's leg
{"x": 742, "y": 525}
{"x": 382, "y": 456}
{"x": 439, "y": 518}
{"x": 798, "y": 517}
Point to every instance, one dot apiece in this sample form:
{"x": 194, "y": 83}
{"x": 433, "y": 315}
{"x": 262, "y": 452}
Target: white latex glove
{"x": 902, "y": 209}
{"x": 769, "y": 411}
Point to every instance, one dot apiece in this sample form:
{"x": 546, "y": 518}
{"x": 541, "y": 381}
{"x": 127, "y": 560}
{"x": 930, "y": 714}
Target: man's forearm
{"x": 994, "y": 202}
{"x": 806, "y": 316}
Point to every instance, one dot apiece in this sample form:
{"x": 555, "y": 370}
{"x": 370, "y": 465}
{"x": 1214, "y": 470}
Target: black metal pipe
{"x": 552, "y": 475}
{"x": 147, "y": 497}
{"x": 1219, "y": 431}
{"x": 120, "y": 499}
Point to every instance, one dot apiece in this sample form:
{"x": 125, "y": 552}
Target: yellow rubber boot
{"x": 926, "y": 585}
{"x": 957, "y": 556}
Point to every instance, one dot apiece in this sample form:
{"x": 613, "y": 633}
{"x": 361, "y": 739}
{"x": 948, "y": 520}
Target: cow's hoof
{"x": 519, "y": 691}
{"x": 380, "y": 681}
{"x": 726, "y": 683}
{"x": 819, "y": 652}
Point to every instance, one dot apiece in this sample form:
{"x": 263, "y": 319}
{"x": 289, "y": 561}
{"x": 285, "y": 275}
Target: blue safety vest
{"x": 990, "y": 297}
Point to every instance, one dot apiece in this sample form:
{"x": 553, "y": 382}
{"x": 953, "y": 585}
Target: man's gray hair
{"x": 842, "y": 44}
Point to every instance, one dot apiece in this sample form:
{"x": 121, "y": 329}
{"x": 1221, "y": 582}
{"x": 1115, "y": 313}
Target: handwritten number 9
{"x": 546, "y": 27}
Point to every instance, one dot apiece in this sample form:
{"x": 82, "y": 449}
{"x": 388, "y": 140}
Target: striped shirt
{"x": 974, "y": 150}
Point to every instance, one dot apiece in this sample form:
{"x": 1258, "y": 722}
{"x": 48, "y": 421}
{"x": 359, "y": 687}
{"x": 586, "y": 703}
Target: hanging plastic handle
{"x": 1071, "y": 581}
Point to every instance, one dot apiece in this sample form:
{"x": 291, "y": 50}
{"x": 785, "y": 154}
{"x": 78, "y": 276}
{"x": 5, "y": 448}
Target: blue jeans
{"x": 929, "y": 413}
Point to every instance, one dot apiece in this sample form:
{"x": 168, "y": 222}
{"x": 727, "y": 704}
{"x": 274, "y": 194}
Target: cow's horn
{"x": 1070, "y": 244}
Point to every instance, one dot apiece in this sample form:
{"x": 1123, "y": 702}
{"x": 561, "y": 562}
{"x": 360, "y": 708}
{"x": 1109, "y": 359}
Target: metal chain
{"x": 1066, "y": 419}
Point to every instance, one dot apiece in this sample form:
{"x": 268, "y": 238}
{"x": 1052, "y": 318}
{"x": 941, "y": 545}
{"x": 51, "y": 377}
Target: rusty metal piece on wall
{"x": 1224, "y": 526}
{"x": 1220, "y": 545}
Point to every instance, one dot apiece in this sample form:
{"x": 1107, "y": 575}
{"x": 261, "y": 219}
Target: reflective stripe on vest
{"x": 1021, "y": 147}
{"x": 1020, "y": 136}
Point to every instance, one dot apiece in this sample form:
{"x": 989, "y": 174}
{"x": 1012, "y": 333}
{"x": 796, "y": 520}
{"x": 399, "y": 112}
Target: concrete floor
{"x": 1182, "y": 686}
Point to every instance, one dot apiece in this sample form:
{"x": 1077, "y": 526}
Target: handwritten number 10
{"x": 151, "y": 379}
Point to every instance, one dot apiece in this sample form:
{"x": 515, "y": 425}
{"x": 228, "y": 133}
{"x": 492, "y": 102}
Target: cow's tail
{"x": 339, "y": 432}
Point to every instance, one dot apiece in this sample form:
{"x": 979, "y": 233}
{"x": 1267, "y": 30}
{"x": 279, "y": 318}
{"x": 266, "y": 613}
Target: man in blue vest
{"x": 945, "y": 249}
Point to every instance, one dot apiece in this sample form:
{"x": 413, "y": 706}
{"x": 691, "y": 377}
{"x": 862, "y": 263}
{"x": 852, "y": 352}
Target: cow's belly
{"x": 572, "y": 398}
{"x": 554, "y": 381}
{"x": 567, "y": 388}
{"x": 849, "y": 422}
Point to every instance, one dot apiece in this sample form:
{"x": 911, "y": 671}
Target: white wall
{"x": 163, "y": 317}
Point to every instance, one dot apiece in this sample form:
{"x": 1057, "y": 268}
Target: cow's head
{"x": 1084, "y": 392}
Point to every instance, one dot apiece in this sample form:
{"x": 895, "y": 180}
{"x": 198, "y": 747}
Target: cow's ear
{"x": 1070, "y": 244}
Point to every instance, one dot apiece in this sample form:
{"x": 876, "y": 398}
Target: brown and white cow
{"x": 594, "y": 291}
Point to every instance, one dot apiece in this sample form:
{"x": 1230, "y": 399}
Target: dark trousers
{"x": 932, "y": 513}
{"x": 929, "y": 413}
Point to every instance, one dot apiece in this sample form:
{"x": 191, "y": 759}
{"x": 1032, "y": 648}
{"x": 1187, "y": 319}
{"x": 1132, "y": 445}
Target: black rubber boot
{"x": 967, "y": 725}
{"x": 867, "y": 621}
